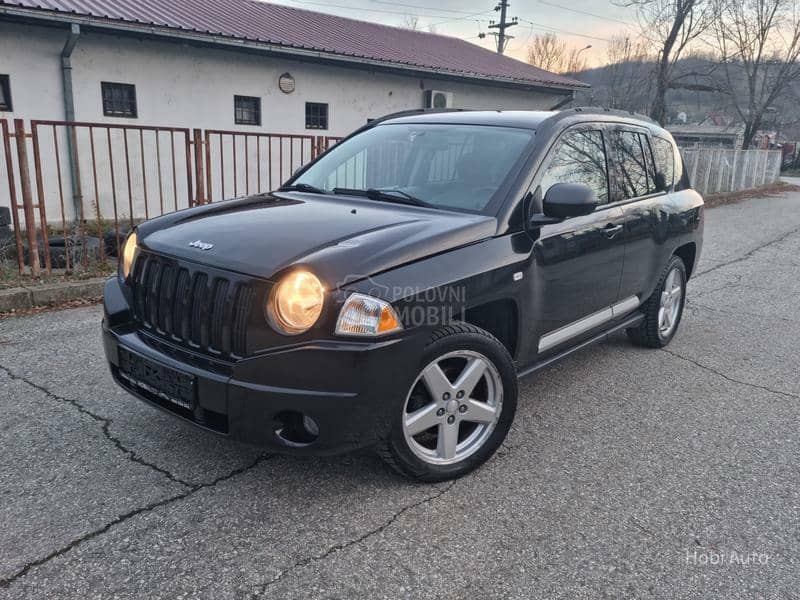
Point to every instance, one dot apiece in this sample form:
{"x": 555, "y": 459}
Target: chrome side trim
{"x": 561, "y": 335}
{"x": 576, "y": 328}
{"x": 626, "y": 306}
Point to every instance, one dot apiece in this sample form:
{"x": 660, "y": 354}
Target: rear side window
{"x": 649, "y": 164}
{"x": 665, "y": 160}
{"x": 681, "y": 176}
{"x": 579, "y": 157}
{"x": 630, "y": 176}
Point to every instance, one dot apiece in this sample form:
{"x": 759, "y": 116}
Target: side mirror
{"x": 565, "y": 200}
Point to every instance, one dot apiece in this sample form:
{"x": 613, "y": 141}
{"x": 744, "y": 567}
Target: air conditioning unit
{"x": 437, "y": 99}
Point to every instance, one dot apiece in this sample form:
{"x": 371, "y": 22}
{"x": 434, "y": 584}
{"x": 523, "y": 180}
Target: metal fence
{"x": 716, "y": 170}
{"x": 75, "y": 189}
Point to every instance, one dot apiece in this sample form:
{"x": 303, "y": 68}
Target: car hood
{"x": 340, "y": 238}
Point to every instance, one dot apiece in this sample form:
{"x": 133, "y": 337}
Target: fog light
{"x": 295, "y": 428}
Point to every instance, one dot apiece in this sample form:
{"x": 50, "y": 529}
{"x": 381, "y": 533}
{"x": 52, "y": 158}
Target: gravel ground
{"x": 628, "y": 473}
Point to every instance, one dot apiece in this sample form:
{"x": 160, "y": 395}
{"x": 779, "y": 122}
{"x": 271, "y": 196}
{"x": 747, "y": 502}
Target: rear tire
{"x": 459, "y": 408}
{"x": 664, "y": 309}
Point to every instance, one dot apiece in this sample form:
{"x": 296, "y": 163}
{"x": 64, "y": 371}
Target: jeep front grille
{"x": 187, "y": 304}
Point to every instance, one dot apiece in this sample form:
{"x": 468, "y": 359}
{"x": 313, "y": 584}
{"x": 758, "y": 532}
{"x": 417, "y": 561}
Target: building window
{"x": 5, "y": 93}
{"x": 119, "y": 100}
{"x": 247, "y": 110}
{"x": 316, "y": 115}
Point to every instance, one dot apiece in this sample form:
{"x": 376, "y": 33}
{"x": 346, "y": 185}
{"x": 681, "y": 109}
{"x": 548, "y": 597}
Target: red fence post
{"x": 37, "y": 167}
{"x": 199, "y": 176}
{"x": 188, "y": 139}
{"x": 27, "y": 200}
{"x": 207, "y": 153}
{"x": 12, "y": 191}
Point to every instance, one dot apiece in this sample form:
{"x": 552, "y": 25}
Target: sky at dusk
{"x": 579, "y": 22}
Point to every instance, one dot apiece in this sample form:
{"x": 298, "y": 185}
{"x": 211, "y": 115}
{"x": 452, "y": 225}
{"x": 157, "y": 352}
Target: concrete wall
{"x": 179, "y": 85}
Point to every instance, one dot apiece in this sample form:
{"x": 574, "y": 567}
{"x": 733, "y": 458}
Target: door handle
{"x": 611, "y": 230}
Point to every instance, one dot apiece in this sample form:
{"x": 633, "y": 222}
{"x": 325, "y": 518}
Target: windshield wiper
{"x": 302, "y": 187}
{"x": 388, "y": 195}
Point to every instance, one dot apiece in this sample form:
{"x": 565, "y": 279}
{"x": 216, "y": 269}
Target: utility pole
{"x": 502, "y": 36}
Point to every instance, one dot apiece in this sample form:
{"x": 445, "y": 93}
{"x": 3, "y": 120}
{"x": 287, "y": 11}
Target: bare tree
{"x": 574, "y": 62}
{"x": 629, "y": 84}
{"x": 411, "y": 22}
{"x": 758, "y": 42}
{"x": 671, "y": 26}
{"x": 547, "y": 52}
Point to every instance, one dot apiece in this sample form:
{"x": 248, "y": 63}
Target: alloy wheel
{"x": 670, "y": 305}
{"x": 453, "y": 407}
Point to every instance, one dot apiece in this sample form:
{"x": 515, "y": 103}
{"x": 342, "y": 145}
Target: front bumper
{"x": 351, "y": 390}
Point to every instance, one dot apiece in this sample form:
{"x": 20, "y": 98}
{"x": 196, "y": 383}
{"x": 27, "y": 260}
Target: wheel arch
{"x": 688, "y": 254}
{"x": 500, "y": 318}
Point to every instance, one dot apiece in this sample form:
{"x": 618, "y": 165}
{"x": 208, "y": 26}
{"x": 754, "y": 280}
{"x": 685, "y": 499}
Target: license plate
{"x": 163, "y": 382}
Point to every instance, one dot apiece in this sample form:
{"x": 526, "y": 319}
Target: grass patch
{"x": 766, "y": 191}
{"x": 10, "y": 276}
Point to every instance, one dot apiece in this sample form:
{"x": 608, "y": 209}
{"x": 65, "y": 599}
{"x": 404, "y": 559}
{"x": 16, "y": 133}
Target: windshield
{"x": 458, "y": 167}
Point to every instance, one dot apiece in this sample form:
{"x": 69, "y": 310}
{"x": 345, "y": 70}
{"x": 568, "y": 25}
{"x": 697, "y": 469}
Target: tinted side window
{"x": 631, "y": 172}
{"x": 665, "y": 161}
{"x": 579, "y": 157}
{"x": 681, "y": 175}
{"x": 649, "y": 164}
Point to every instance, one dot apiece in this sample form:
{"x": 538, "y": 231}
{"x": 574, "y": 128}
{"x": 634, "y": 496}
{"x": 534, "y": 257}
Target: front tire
{"x": 459, "y": 408}
{"x": 664, "y": 309}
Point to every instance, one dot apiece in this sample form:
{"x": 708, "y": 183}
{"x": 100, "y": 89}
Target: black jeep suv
{"x": 392, "y": 292}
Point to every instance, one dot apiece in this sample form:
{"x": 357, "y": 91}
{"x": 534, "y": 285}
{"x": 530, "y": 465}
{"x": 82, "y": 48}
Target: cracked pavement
{"x": 622, "y": 463}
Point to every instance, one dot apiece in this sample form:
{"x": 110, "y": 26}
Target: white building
{"x": 232, "y": 65}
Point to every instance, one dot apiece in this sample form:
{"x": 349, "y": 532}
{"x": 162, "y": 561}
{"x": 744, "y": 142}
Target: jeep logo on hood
{"x": 201, "y": 245}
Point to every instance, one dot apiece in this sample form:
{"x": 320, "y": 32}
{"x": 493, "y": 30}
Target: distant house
{"x": 717, "y": 136}
{"x": 716, "y": 131}
{"x": 244, "y": 64}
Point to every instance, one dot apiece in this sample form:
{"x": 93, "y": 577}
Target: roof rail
{"x": 413, "y": 111}
{"x": 593, "y": 110}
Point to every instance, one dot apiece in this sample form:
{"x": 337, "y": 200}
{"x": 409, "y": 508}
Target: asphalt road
{"x": 626, "y": 473}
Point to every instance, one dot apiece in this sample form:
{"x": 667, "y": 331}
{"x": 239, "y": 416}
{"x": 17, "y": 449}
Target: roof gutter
{"x": 69, "y": 115}
{"x": 292, "y": 51}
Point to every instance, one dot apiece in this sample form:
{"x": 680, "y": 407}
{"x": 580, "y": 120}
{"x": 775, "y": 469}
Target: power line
{"x": 582, "y": 12}
{"x": 445, "y": 14}
{"x": 464, "y": 18}
{"x": 558, "y": 30}
{"x": 421, "y": 6}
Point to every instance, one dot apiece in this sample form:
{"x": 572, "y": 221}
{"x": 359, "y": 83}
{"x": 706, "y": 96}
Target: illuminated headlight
{"x": 296, "y": 303}
{"x": 129, "y": 255}
{"x": 367, "y": 316}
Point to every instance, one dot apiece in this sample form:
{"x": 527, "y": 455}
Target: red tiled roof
{"x": 299, "y": 28}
